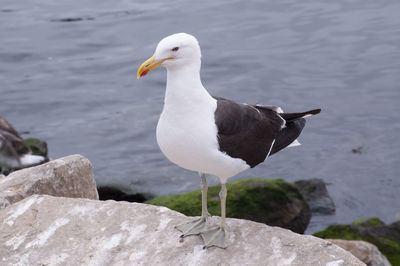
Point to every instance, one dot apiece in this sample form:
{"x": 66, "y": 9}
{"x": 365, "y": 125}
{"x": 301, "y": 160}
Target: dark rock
{"x": 385, "y": 237}
{"x": 72, "y": 19}
{"x": 114, "y": 193}
{"x": 359, "y": 150}
{"x": 317, "y": 196}
{"x": 273, "y": 202}
{"x": 4, "y": 172}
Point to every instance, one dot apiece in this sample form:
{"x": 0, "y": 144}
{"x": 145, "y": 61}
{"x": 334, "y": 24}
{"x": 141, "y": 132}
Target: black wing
{"x": 246, "y": 132}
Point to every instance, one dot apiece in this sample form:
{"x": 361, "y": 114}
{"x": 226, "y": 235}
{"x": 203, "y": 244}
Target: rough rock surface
{"x": 71, "y": 176}
{"x": 385, "y": 237}
{"x": 270, "y": 201}
{"x": 366, "y": 252}
{"x": 317, "y": 196}
{"x": 45, "y": 230}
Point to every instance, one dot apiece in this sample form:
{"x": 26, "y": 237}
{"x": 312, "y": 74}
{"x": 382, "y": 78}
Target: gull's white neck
{"x": 184, "y": 87}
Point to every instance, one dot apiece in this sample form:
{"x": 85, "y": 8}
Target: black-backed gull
{"x": 213, "y": 135}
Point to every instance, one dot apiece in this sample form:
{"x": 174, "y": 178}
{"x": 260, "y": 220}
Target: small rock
{"x": 364, "y": 251}
{"x": 45, "y": 230}
{"x": 72, "y": 19}
{"x": 273, "y": 202}
{"x": 317, "y": 196}
{"x": 385, "y": 237}
{"x": 359, "y": 150}
{"x": 71, "y": 176}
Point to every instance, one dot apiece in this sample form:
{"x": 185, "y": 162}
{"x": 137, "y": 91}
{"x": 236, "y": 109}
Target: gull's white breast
{"x": 187, "y": 135}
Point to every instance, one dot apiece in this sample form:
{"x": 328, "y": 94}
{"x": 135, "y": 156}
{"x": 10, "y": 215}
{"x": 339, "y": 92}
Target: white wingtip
{"x": 294, "y": 143}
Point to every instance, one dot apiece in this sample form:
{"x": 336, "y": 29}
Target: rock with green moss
{"x": 368, "y": 222}
{"x": 273, "y": 202}
{"x": 37, "y": 146}
{"x": 364, "y": 251}
{"x": 373, "y": 230}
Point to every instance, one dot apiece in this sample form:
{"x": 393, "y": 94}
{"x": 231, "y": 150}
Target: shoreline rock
{"x": 37, "y": 147}
{"x": 364, "y": 251}
{"x": 46, "y": 230}
{"x": 317, "y": 196}
{"x": 385, "y": 237}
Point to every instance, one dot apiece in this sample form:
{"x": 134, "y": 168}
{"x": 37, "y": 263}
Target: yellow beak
{"x": 149, "y": 65}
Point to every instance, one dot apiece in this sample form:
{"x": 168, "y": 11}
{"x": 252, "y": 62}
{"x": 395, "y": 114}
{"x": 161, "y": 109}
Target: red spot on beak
{"x": 144, "y": 73}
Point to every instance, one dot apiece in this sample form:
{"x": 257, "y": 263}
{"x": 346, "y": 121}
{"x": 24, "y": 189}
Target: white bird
{"x": 14, "y": 153}
{"x": 212, "y": 135}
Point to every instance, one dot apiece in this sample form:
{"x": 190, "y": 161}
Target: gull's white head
{"x": 174, "y": 51}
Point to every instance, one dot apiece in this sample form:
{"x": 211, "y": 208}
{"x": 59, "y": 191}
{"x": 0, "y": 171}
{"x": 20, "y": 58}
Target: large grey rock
{"x": 45, "y": 230}
{"x": 71, "y": 176}
{"x": 317, "y": 196}
{"x": 366, "y": 252}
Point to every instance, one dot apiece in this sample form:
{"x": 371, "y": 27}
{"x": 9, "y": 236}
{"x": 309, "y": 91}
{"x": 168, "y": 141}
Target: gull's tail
{"x": 295, "y": 123}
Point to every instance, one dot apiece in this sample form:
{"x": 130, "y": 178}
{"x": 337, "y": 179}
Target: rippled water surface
{"x": 67, "y": 75}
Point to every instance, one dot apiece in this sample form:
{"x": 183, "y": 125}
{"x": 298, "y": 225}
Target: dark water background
{"x": 67, "y": 76}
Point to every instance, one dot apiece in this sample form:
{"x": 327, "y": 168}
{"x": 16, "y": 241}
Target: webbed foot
{"x": 217, "y": 237}
{"x": 194, "y": 227}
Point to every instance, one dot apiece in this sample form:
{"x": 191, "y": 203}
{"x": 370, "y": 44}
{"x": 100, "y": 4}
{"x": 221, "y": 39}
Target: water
{"x": 67, "y": 75}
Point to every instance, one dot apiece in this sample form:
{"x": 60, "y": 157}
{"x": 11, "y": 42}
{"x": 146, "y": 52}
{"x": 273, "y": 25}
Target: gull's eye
{"x": 175, "y": 49}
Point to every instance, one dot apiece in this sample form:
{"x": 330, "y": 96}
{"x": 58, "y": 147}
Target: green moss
{"x": 339, "y": 231}
{"x": 394, "y": 260}
{"x": 369, "y": 222}
{"x": 188, "y": 203}
{"x": 37, "y": 146}
{"x": 254, "y": 199}
{"x": 390, "y": 248}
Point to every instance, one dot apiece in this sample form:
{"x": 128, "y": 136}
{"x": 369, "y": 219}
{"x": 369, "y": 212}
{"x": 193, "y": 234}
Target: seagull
{"x": 14, "y": 153}
{"x": 213, "y": 135}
